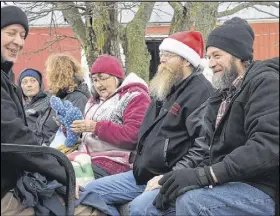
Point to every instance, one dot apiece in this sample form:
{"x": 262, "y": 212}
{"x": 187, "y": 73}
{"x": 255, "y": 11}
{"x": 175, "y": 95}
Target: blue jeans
{"x": 230, "y": 199}
{"x": 120, "y": 189}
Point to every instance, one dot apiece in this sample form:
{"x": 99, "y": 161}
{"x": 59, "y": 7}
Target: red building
{"x": 41, "y": 42}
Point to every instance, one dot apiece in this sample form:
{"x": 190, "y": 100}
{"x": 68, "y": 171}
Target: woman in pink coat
{"x": 113, "y": 116}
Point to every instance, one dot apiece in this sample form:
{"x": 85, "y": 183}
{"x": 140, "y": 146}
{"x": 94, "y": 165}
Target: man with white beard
{"x": 167, "y": 137}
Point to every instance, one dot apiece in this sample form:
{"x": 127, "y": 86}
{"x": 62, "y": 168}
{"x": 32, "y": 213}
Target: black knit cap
{"x": 14, "y": 15}
{"x": 235, "y": 36}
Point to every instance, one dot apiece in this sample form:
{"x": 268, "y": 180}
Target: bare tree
{"x": 96, "y": 26}
{"x": 99, "y": 30}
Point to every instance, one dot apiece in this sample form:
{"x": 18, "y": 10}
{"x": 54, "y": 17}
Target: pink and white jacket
{"x": 118, "y": 121}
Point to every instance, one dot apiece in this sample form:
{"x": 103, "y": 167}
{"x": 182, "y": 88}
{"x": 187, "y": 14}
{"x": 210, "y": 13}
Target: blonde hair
{"x": 63, "y": 71}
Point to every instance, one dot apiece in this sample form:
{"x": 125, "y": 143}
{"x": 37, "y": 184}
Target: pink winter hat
{"x": 108, "y": 64}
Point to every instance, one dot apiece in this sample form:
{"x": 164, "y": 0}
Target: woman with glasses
{"x": 113, "y": 116}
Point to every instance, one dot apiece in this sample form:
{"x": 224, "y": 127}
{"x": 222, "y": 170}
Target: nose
{"x": 18, "y": 40}
{"x": 212, "y": 63}
{"x": 97, "y": 84}
{"x": 163, "y": 59}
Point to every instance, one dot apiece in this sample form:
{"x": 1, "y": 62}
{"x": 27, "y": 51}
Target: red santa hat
{"x": 188, "y": 44}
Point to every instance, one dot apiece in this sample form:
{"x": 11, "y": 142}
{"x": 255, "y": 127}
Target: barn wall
{"x": 40, "y": 43}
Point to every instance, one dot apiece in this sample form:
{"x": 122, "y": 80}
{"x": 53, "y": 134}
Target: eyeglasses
{"x": 167, "y": 54}
{"x": 101, "y": 79}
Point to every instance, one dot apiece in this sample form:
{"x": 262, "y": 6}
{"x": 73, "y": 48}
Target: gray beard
{"x": 163, "y": 81}
{"x": 226, "y": 80}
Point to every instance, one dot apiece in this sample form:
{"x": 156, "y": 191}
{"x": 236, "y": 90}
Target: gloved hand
{"x": 180, "y": 181}
{"x": 161, "y": 202}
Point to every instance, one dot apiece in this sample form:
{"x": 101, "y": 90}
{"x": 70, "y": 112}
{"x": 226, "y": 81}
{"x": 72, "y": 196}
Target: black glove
{"x": 161, "y": 202}
{"x": 180, "y": 181}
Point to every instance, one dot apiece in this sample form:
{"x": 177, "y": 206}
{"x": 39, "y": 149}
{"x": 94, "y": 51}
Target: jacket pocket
{"x": 166, "y": 143}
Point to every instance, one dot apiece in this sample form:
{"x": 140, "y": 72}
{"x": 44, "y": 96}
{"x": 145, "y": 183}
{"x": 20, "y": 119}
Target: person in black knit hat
{"x": 14, "y": 30}
{"x": 235, "y": 36}
{"x": 242, "y": 131}
{"x": 14, "y": 15}
{"x": 14, "y": 130}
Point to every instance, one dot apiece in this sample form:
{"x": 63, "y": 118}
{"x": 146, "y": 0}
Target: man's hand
{"x": 161, "y": 202}
{"x": 180, "y": 181}
{"x": 153, "y": 183}
{"x": 80, "y": 126}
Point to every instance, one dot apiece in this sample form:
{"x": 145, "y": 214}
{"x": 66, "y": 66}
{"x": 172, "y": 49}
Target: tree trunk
{"x": 206, "y": 17}
{"x": 80, "y": 29}
{"x": 137, "y": 57}
{"x": 106, "y": 28}
{"x": 182, "y": 20}
{"x": 99, "y": 34}
{"x": 200, "y": 16}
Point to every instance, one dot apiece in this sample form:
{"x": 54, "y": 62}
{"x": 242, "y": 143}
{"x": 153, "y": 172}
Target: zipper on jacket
{"x": 231, "y": 102}
{"x": 165, "y": 151}
{"x": 140, "y": 146}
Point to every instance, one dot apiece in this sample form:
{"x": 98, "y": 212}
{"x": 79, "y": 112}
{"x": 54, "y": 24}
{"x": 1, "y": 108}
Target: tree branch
{"x": 244, "y": 6}
{"x": 74, "y": 18}
{"x": 144, "y": 12}
{"x": 177, "y": 6}
{"x": 48, "y": 44}
{"x": 265, "y": 12}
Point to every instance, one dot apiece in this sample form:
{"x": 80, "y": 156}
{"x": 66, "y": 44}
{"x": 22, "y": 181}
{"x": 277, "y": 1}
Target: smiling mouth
{"x": 14, "y": 51}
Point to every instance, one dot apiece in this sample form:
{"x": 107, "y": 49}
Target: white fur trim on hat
{"x": 181, "y": 49}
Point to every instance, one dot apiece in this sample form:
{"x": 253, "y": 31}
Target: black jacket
{"x": 44, "y": 196}
{"x": 46, "y": 127}
{"x": 245, "y": 145}
{"x": 36, "y": 107}
{"x": 167, "y": 133}
{"x": 14, "y": 130}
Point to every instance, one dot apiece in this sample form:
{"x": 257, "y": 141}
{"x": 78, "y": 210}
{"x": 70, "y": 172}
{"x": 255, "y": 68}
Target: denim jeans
{"x": 116, "y": 189}
{"x": 143, "y": 205}
{"x": 230, "y": 199}
{"x": 120, "y": 189}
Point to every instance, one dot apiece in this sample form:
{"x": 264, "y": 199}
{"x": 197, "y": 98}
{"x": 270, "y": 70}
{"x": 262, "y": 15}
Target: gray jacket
{"x": 38, "y": 105}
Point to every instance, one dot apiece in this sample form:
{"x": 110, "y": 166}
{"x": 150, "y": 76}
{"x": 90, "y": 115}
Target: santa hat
{"x": 188, "y": 44}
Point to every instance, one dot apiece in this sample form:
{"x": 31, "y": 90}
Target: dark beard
{"x": 165, "y": 78}
{"x": 226, "y": 80}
